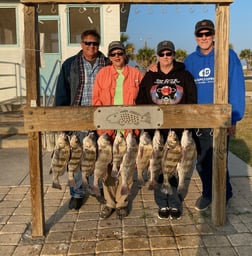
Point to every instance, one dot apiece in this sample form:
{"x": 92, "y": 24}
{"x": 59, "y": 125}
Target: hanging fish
{"x": 143, "y": 156}
{"x": 119, "y": 148}
{"x": 60, "y": 158}
{"x": 75, "y": 158}
{"x": 89, "y": 157}
{"x": 104, "y": 158}
{"x": 171, "y": 157}
{"x": 128, "y": 164}
{"x": 187, "y": 164}
{"x": 155, "y": 167}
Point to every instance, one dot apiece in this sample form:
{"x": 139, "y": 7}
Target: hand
{"x": 153, "y": 67}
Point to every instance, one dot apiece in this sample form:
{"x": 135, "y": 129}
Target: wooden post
{"x": 220, "y": 96}
{"x": 33, "y": 99}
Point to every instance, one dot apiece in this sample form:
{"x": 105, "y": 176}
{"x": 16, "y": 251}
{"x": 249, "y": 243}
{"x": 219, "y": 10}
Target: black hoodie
{"x": 176, "y": 87}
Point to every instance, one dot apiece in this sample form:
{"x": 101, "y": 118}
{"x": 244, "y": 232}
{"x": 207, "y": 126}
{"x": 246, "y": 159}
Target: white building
{"x": 60, "y": 26}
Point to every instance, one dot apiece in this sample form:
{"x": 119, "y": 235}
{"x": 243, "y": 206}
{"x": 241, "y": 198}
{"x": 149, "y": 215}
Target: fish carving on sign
{"x": 129, "y": 117}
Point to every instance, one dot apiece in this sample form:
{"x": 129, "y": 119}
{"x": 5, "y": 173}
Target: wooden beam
{"x": 128, "y": 1}
{"x": 34, "y": 139}
{"x": 82, "y": 118}
{"x": 220, "y": 97}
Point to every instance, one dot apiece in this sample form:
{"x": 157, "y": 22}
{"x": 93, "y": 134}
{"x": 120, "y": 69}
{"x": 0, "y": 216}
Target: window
{"x": 8, "y": 30}
{"x": 81, "y": 19}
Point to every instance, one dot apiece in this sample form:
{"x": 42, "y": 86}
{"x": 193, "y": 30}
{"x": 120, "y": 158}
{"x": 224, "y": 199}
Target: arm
{"x": 96, "y": 101}
{"x": 142, "y": 97}
{"x": 236, "y": 87}
{"x": 62, "y": 93}
{"x": 191, "y": 90}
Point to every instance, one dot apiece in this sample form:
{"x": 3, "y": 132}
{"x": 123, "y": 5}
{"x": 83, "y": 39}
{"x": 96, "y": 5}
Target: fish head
{"x": 172, "y": 138}
{"x": 158, "y": 139}
{"x": 62, "y": 140}
{"x": 186, "y": 138}
{"x": 131, "y": 140}
{"x": 145, "y": 138}
{"x": 74, "y": 141}
{"x": 119, "y": 137}
{"x": 90, "y": 140}
{"x": 104, "y": 140}
{"x": 113, "y": 118}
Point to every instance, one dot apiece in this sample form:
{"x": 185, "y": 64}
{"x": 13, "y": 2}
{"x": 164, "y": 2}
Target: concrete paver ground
{"x": 71, "y": 232}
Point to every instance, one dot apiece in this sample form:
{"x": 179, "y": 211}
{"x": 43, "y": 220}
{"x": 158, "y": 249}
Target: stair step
{"x": 13, "y": 116}
{"x": 15, "y": 141}
{"x": 11, "y": 128}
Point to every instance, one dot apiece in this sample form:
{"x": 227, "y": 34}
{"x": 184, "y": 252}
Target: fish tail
{"x": 96, "y": 191}
{"x": 125, "y": 190}
{"x": 140, "y": 181}
{"x": 56, "y": 185}
{"x": 147, "y": 117}
{"x": 114, "y": 173}
{"x": 152, "y": 185}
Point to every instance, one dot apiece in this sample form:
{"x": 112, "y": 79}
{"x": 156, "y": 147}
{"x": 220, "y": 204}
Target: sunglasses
{"x": 90, "y": 43}
{"x": 168, "y": 54}
{"x": 209, "y": 33}
{"x": 116, "y": 53}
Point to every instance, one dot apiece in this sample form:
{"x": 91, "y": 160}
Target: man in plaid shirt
{"x": 74, "y": 88}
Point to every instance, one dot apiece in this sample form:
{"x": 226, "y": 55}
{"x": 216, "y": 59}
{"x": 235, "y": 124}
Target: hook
{"x": 82, "y": 9}
{"x": 38, "y": 10}
{"x": 95, "y": 9}
{"x": 163, "y": 10}
{"x": 150, "y": 10}
{"x": 136, "y": 10}
{"x": 191, "y": 10}
{"x": 108, "y": 10}
{"x": 123, "y": 9}
{"x": 28, "y": 10}
{"x": 205, "y": 9}
{"x": 53, "y": 9}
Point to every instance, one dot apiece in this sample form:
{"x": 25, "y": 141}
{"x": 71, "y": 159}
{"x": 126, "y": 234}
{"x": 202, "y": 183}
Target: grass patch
{"x": 241, "y": 144}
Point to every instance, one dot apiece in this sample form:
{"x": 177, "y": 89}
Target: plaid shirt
{"x": 87, "y": 74}
{"x": 90, "y": 72}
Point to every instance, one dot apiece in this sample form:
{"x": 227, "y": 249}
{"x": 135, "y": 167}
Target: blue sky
{"x": 150, "y": 24}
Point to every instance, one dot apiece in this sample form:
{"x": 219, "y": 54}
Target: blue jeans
{"x": 205, "y": 165}
{"x": 78, "y": 191}
{"x": 165, "y": 200}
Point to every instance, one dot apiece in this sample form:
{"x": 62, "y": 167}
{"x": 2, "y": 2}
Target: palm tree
{"x": 181, "y": 55}
{"x": 145, "y": 56}
{"x": 246, "y": 54}
{"x": 129, "y": 47}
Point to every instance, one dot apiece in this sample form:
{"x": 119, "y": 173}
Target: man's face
{"x": 90, "y": 47}
{"x": 205, "y": 39}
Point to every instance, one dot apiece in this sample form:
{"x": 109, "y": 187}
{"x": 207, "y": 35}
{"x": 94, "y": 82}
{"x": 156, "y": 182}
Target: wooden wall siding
{"x": 220, "y": 110}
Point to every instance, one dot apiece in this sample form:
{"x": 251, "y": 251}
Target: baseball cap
{"x": 165, "y": 45}
{"x": 115, "y": 45}
{"x": 204, "y": 24}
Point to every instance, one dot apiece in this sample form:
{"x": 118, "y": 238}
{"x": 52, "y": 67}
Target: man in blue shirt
{"x": 201, "y": 65}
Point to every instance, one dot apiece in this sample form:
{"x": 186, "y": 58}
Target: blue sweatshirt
{"x": 202, "y": 68}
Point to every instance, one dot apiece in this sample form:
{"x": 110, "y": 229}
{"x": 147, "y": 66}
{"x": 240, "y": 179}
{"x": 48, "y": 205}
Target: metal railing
{"x": 16, "y": 74}
{"x": 51, "y": 84}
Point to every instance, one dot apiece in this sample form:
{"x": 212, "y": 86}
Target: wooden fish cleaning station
{"x": 42, "y": 119}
